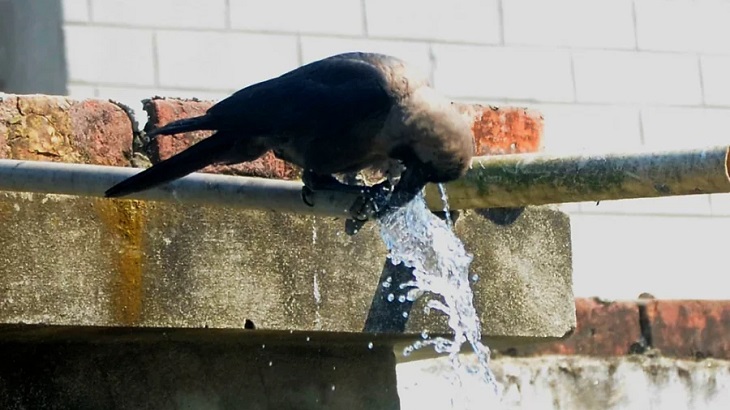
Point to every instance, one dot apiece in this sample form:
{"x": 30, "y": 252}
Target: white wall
{"x": 607, "y": 74}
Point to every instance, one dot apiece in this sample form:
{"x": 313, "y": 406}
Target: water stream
{"x": 416, "y": 237}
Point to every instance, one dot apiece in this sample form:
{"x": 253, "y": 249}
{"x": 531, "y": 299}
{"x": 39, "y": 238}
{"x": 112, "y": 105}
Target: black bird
{"x": 338, "y": 115}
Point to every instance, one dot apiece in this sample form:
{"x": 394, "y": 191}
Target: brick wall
{"x": 611, "y": 74}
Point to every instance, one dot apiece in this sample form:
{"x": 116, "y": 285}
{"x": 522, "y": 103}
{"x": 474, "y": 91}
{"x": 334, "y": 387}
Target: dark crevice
{"x": 645, "y": 342}
{"x": 137, "y": 135}
{"x": 150, "y": 150}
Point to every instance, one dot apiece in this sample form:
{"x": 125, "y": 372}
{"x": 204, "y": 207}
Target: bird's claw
{"x": 307, "y": 195}
{"x": 369, "y": 205}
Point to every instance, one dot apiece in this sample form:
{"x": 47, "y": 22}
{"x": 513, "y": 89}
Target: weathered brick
{"x": 109, "y": 55}
{"x": 161, "y": 13}
{"x": 631, "y": 77}
{"x": 603, "y": 329}
{"x": 222, "y": 61}
{"x": 504, "y": 130}
{"x": 492, "y": 72}
{"x": 473, "y": 21}
{"x": 573, "y": 23}
{"x": 313, "y": 16}
{"x": 59, "y": 129}
{"x": 162, "y": 111}
{"x": 690, "y": 328}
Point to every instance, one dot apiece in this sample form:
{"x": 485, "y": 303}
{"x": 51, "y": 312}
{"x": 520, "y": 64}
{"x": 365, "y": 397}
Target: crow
{"x": 342, "y": 114}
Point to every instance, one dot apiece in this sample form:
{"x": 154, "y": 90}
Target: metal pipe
{"x": 197, "y": 188}
{"x": 493, "y": 181}
{"x": 537, "y": 179}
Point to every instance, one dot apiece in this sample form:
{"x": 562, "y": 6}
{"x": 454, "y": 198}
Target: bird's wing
{"x": 328, "y": 95}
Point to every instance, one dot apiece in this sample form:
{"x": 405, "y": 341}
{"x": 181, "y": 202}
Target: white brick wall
{"x": 671, "y": 127}
{"x": 716, "y": 79}
{"x": 502, "y": 72}
{"x": 192, "y": 14}
{"x": 222, "y": 61}
{"x": 632, "y": 77}
{"x": 75, "y": 10}
{"x": 312, "y": 16}
{"x": 417, "y": 53}
{"x": 572, "y": 23}
{"x": 470, "y": 21}
{"x": 683, "y": 25}
{"x": 671, "y": 257}
{"x": 607, "y": 75}
{"x": 110, "y": 55}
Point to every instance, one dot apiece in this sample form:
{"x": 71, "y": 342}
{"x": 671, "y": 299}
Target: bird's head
{"x": 439, "y": 137}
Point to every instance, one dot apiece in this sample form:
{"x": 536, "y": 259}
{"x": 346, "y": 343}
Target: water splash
{"x": 417, "y": 238}
{"x": 445, "y": 200}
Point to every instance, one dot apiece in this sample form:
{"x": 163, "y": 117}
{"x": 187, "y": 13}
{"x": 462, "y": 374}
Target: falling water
{"x": 419, "y": 239}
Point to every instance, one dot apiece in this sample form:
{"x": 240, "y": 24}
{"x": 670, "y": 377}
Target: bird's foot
{"x": 308, "y": 196}
{"x": 369, "y": 205}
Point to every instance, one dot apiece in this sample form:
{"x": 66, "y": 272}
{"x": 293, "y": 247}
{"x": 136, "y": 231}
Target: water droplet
{"x": 402, "y": 298}
{"x": 389, "y": 279}
{"x": 263, "y": 346}
{"x": 405, "y": 314}
{"x": 386, "y": 285}
{"x": 474, "y": 277}
{"x": 307, "y": 339}
{"x": 424, "y": 334}
{"x": 407, "y": 350}
{"x": 333, "y": 387}
{"x": 391, "y": 297}
{"x": 370, "y": 345}
{"x": 271, "y": 364}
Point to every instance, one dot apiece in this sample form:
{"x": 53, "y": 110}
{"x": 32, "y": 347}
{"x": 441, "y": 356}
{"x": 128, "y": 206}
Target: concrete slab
{"x": 97, "y": 262}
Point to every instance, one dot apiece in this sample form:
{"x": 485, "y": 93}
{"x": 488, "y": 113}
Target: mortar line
{"x": 636, "y": 25}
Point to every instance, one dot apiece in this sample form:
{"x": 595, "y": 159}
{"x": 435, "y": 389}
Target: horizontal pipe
{"x": 538, "y": 179}
{"x": 492, "y": 181}
{"x": 197, "y": 188}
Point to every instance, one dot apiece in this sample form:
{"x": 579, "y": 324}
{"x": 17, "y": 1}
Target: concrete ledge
{"x": 577, "y": 382}
{"x": 96, "y": 262}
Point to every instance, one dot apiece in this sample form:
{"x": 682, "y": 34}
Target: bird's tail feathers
{"x": 203, "y": 122}
{"x": 206, "y": 152}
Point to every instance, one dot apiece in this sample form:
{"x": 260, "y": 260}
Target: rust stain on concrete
{"x": 125, "y": 220}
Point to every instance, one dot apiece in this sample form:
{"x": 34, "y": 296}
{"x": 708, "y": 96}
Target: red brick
{"x": 603, "y": 329}
{"x": 162, "y": 111}
{"x": 48, "y": 128}
{"x": 504, "y": 130}
{"x": 690, "y": 328}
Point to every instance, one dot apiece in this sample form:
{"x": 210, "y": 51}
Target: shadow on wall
{"x": 32, "y": 58}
